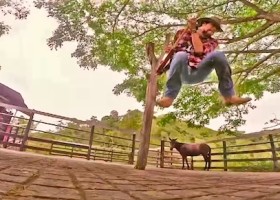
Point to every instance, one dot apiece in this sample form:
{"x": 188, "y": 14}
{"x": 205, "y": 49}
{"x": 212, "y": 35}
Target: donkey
{"x": 193, "y": 149}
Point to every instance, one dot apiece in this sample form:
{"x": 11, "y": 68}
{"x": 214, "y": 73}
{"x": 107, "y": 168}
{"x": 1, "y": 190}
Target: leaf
{"x": 114, "y": 33}
{"x": 17, "y": 8}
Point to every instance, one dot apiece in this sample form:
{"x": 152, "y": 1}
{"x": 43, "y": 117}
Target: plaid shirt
{"x": 185, "y": 44}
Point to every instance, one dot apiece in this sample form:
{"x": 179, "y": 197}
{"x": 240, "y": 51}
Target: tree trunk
{"x": 148, "y": 114}
{"x": 151, "y": 91}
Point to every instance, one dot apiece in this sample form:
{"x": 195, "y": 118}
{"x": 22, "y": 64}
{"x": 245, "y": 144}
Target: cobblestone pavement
{"x": 25, "y": 176}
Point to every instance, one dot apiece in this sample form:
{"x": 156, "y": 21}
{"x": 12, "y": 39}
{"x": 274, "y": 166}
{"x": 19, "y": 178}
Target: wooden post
{"x": 94, "y": 154}
{"x": 72, "y": 151}
{"x": 50, "y": 152}
{"x": 145, "y": 133}
{"x": 151, "y": 92}
{"x": 162, "y": 154}
{"x": 15, "y": 134}
{"x": 158, "y": 157}
{"x": 273, "y": 151}
{"x": 131, "y": 157}
{"x": 171, "y": 158}
{"x": 225, "y": 155}
{"x": 112, "y": 153}
{"x": 90, "y": 142}
{"x": 26, "y": 132}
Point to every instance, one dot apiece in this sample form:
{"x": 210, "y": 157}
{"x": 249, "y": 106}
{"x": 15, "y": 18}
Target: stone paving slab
{"x": 26, "y": 176}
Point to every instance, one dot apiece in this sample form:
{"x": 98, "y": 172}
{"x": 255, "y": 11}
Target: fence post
{"x": 26, "y": 132}
{"x": 273, "y": 151}
{"x": 72, "y": 151}
{"x": 171, "y": 158}
{"x": 112, "y": 153}
{"x": 50, "y": 152}
{"x": 158, "y": 155}
{"x": 162, "y": 154}
{"x": 94, "y": 154}
{"x": 225, "y": 155}
{"x": 90, "y": 142}
{"x": 131, "y": 156}
{"x": 16, "y": 135}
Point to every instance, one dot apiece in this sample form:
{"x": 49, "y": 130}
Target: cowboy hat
{"x": 213, "y": 20}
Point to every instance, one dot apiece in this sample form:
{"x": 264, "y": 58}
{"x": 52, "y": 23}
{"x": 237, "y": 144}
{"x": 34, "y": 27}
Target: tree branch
{"x": 246, "y": 47}
{"x": 271, "y": 42}
{"x": 248, "y": 71}
{"x": 271, "y": 73}
{"x": 251, "y": 34}
{"x": 206, "y": 8}
{"x": 263, "y": 60}
{"x": 230, "y": 21}
{"x": 268, "y": 33}
{"x": 253, "y": 6}
{"x": 203, "y": 83}
{"x": 166, "y": 43}
{"x": 157, "y": 27}
{"x": 116, "y": 21}
{"x": 117, "y": 16}
{"x": 275, "y": 121}
{"x": 241, "y": 20}
{"x": 275, "y": 4}
{"x": 244, "y": 51}
{"x": 274, "y": 17}
{"x": 273, "y": 126}
{"x": 150, "y": 50}
{"x": 251, "y": 51}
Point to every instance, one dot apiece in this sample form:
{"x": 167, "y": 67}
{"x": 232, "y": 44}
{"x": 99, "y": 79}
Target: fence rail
{"x": 232, "y": 157}
{"x": 65, "y": 137}
{"x": 77, "y": 138}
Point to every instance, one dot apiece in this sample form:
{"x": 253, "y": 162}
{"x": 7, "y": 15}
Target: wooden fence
{"x": 94, "y": 141}
{"x": 259, "y": 152}
{"x": 73, "y": 138}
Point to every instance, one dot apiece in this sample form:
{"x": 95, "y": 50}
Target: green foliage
{"x": 131, "y": 120}
{"x": 19, "y": 9}
{"x": 253, "y": 87}
{"x": 198, "y": 107}
{"x": 114, "y": 33}
{"x": 132, "y": 87}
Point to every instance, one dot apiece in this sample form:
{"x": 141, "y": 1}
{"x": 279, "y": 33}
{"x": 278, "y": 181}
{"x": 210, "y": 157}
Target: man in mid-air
{"x": 194, "y": 59}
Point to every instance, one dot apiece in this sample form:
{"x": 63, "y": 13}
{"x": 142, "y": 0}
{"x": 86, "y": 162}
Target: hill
{"x": 162, "y": 128}
{"x": 132, "y": 120}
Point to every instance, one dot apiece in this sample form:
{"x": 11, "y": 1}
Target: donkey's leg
{"x": 187, "y": 162}
{"x": 192, "y": 163}
{"x": 205, "y": 159}
{"x": 183, "y": 159}
{"x": 209, "y": 161}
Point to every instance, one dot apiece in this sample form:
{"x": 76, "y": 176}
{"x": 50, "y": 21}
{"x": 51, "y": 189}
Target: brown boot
{"x": 235, "y": 100}
{"x": 165, "y": 102}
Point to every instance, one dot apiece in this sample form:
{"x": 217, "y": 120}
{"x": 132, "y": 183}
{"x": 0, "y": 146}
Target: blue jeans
{"x": 180, "y": 73}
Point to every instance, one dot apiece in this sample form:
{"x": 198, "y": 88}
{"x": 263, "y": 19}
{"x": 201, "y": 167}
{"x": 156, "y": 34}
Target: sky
{"x": 51, "y": 81}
